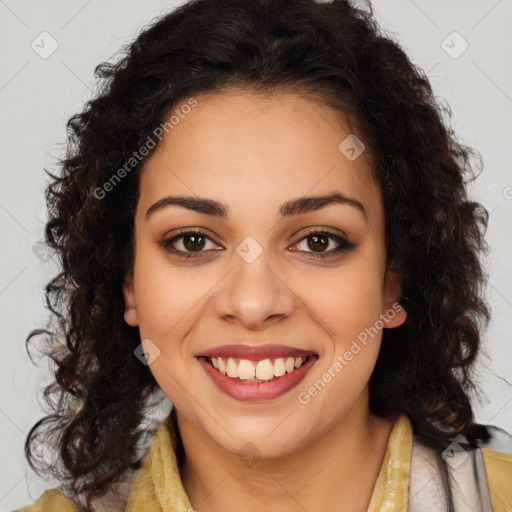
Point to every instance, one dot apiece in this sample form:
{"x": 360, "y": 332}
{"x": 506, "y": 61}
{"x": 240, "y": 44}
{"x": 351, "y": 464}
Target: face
{"x": 262, "y": 275}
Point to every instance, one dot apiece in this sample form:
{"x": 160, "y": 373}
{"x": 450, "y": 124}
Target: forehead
{"x": 244, "y": 147}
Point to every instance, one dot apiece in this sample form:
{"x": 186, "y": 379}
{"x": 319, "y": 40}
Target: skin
{"x": 253, "y": 152}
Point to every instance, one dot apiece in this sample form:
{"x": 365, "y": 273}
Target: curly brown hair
{"x": 434, "y": 233}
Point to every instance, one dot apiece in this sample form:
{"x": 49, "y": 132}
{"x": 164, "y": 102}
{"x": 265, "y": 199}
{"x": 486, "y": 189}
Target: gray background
{"x": 38, "y": 95}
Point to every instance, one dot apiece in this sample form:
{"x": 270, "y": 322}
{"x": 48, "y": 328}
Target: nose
{"x": 254, "y": 294}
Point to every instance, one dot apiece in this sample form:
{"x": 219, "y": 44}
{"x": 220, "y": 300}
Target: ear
{"x": 393, "y": 314}
{"x": 130, "y": 305}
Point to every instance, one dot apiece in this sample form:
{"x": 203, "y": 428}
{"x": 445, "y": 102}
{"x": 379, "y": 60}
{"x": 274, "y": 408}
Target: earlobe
{"x": 394, "y": 314}
{"x": 130, "y": 305}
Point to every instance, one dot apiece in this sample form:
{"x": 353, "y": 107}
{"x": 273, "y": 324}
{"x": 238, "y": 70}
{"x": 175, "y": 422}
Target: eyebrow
{"x": 292, "y": 207}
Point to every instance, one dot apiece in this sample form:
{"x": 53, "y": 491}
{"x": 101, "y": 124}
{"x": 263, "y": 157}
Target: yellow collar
{"x": 158, "y": 487}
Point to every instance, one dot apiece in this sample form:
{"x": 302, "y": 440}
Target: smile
{"x": 256, "y": 371}
{"x": 256, "y": 381}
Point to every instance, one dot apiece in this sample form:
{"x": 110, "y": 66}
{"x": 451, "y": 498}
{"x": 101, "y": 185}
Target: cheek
{"x": 348, "y": 305}
{"x": 345, "y": 301}
{"x": 167, "y": 297}
{"x": 168, "y": 300}
{"x": 352, "y": 314}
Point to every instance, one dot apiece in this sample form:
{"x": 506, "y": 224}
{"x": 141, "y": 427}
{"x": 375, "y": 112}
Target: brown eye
{"x": 188, "y": 243}
{"x": 193, "y": 242}
{"x": 319, "y": 241}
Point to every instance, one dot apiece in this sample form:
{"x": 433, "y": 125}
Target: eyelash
{"x": 343, "y": 244}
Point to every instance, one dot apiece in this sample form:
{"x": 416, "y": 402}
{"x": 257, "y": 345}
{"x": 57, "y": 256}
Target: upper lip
{"x": 255, "y": 352}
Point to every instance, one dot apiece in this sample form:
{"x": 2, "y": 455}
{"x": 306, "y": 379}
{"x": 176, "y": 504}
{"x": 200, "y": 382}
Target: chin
{"x": 268, "y": 437}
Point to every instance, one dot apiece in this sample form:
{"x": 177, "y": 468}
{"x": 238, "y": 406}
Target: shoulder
{"x": 52, "y": 500}
{"x": 498, "y": 469}
{"x": 497, "y": 460}
{"x": 480, "y": 476}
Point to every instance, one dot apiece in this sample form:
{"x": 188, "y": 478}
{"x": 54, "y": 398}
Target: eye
{"x": 192, "y": 243}
{"x": 317, "y": 241}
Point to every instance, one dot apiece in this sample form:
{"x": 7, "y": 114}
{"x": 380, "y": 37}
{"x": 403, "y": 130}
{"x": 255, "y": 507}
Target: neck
{"x": 335, "y": 471}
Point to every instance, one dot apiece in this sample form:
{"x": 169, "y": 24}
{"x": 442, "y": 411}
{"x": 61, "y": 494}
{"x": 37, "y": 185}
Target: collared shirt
{"x": 483, "y": 476}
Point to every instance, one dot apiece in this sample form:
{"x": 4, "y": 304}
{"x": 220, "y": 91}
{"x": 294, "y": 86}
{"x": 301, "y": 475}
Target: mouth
{"x": 259, "y": 378}
{"x": 264, "y": 370}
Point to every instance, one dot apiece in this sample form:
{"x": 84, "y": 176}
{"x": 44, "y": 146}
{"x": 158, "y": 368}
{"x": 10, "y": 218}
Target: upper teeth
{"x": 245, "y": 369}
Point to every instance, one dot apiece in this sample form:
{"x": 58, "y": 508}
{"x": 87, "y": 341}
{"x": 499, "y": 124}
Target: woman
{"x": 263, "y": 215}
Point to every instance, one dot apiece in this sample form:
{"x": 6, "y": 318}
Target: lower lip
{"x": 257, "y": 391}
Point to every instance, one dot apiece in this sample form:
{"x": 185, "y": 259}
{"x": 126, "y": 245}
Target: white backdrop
{"x": 49, "y": 51}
